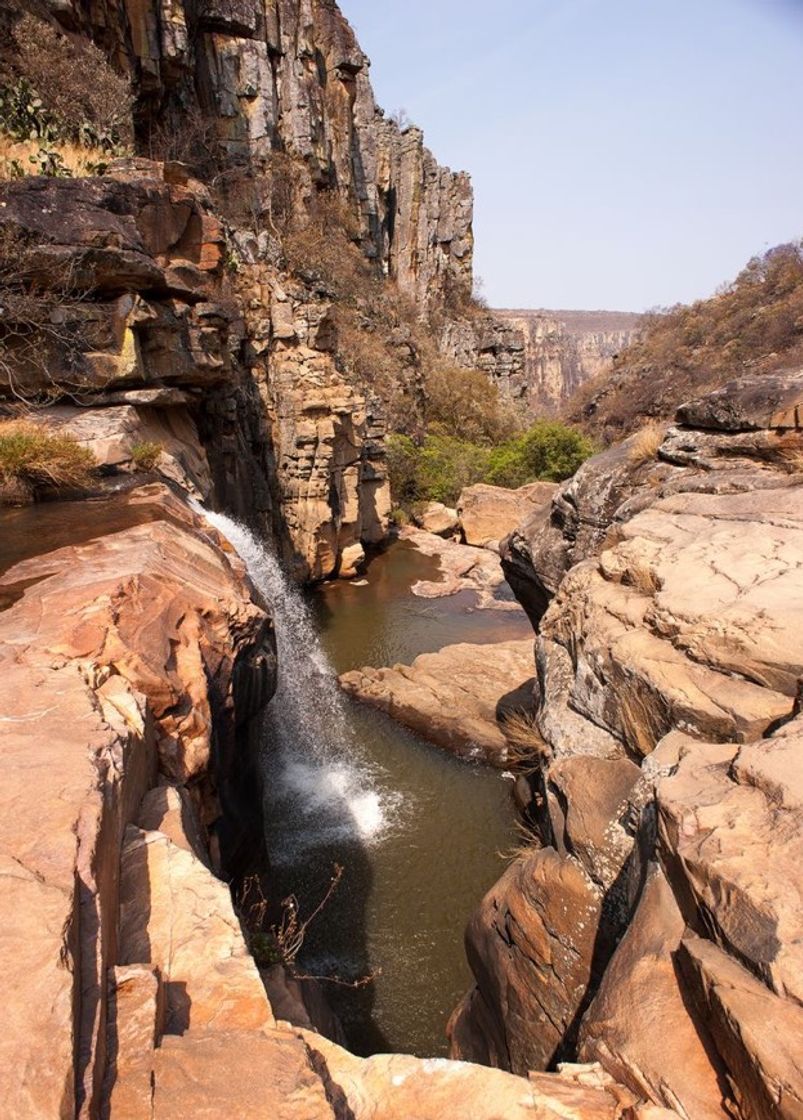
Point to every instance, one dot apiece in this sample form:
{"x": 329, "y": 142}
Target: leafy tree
{"x": 446, "y": 465}
{"x": 549, "y": 450}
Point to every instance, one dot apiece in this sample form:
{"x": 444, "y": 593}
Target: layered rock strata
{"x": 291, "y": 76}
{"x": 539, "y": 358}
{"x": 564, "y": 349}
{"x": 661, "y": 900}
{"x": 162, "y": 355}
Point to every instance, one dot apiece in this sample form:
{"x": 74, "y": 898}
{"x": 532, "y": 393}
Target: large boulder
{"x": 175, "y": 915}
{"x": 536, "y": 948}
{"x": 456, "y": 698}
{"x": 762, "y": 401}
{"x": 489, "y": 513}
{"x": 439, "y": 519}
{"x": 641, "y": 1000}
{"x": 731, "y": 838}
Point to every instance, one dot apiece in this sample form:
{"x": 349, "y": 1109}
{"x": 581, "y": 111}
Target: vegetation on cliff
{"x": 754, "y": 325}
{"x": 63, "y": 108}
{"x": 33, "y": 458}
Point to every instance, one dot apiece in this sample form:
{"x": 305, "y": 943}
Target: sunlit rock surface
{"x": 666, "y": 588}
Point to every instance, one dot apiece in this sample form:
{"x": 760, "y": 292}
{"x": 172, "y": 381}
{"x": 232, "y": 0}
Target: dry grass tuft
{"x": 793, "y": 461}
{"x": 33, "y": 458}
{"x": 646, "y": 443}
{"x": 146, "y": 454}
{"x": 18, "y": 157}
{"x": 791, "y": 452}
{"x": 529, "y": 840}
{"x": 526, "y": 750}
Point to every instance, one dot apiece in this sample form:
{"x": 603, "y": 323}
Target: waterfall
{"x": 320, "y": 789}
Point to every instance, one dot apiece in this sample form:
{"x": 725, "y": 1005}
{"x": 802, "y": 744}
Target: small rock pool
{"x": 420, "y": 835}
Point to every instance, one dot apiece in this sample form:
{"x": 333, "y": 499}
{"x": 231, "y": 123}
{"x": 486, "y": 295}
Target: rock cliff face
{"x": 159, "y": 349}
{"x": 563, "y": 349}
{"x": 540, "y": 358}
{"x": 655, "y": 927}
{"x": 290, "y": 75}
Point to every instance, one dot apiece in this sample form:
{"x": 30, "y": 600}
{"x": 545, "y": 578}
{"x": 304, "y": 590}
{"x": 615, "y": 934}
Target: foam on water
{"x": 324, "y": 790}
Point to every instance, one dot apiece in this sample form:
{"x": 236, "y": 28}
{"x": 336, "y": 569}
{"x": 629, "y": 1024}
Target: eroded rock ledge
{"x": 656, "y": 924}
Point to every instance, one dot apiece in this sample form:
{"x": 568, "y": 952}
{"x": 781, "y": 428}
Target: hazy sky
{"x": 625, "y": 153}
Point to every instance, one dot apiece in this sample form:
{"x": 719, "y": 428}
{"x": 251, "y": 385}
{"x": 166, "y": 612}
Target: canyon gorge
{"x": 267, "y": 744}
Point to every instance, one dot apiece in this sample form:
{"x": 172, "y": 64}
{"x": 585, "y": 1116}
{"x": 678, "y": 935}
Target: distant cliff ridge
{"x": 564, "y": 349}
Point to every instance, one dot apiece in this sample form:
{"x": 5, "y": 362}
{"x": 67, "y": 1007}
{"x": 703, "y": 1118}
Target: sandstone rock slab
{"x": 638, "y": 1026}
{"x": 175, "y": 915}
{"x": 759, "y": 1035}
{"x": 244, "y": 1073}
{"x": 489, "y": 513}
{"x": 454, "y": 697}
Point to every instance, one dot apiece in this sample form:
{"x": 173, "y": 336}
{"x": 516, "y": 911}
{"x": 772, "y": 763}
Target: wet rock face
{"x": 666, "y": 592}
{"x": 292, "y": 76}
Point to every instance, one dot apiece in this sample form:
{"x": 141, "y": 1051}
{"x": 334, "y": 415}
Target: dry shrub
{"x": 282, "y": 941}
{"x": 646, "y": 443}
{"x": 794, "y": 462}
{"x": 77, "y": 95}
{"x": 465, "y": 402}
{"x": 265, "y": 193}
{"x": 754, "y": 325}
{"x": 323, "y": 246}
{"x": 41, "y": 328}
{"x": 38, "y": 459}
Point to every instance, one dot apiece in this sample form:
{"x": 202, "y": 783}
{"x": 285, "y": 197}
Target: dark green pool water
{"x": 430, "y": 832}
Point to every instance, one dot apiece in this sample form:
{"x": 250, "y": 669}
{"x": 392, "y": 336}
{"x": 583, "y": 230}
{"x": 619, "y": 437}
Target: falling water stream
{"x": 417, "y": 833}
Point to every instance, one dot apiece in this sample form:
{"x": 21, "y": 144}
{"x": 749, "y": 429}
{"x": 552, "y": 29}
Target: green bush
{"x": 441, "y": 466}
{"x": 403, "y": 456}
{"x": 549, "y": 450}
{"x": 446, "y": 465}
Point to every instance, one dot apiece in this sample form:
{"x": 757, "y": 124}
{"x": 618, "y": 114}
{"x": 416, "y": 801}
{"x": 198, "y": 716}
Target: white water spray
{"x": 320, "y": 786}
